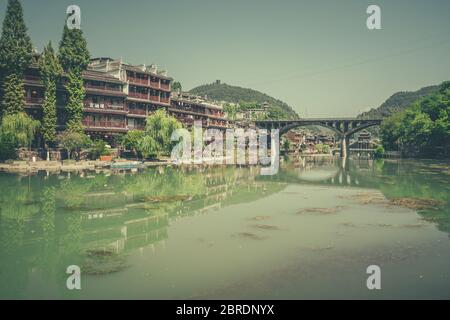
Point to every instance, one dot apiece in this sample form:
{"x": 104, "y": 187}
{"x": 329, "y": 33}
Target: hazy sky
{"x": 316, "y": 55}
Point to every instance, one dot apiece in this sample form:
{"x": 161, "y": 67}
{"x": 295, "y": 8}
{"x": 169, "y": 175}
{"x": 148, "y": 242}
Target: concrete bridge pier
{"x": 345, "y": 143}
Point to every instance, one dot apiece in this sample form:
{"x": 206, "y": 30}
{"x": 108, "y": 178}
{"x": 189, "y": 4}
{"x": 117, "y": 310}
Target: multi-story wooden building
{"x": 120, "y": 97}
{"x": 188, "y": 108}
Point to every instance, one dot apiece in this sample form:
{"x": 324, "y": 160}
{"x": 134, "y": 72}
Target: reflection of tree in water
{"x": 17, "y": 206}
{"x": 49, "y": 223}
{"x": 419, "y": 180}
{"x": 406, "y": 180}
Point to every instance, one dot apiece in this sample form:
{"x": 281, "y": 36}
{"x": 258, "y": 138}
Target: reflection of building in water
{"x": 123, "y": 229}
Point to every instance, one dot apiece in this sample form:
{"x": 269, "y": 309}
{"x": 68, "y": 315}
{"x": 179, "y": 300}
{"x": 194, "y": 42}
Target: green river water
{"x": 308, "y": 232}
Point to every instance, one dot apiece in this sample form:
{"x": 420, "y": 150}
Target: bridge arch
{"x": 343, "y": 127}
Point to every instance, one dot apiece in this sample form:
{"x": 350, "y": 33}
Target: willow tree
{"x": 74, "y": 58}
{"x": 15, "y": 56}
{"x": 16, "y": 130}
{"x": 156, "y": 140}
{"x": 51, "y": 71}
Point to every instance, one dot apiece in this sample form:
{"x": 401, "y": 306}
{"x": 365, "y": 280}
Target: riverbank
{"x": 74, "y": 166}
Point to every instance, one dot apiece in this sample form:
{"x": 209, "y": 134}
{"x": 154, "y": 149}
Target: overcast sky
{"x": 316, "y": 55}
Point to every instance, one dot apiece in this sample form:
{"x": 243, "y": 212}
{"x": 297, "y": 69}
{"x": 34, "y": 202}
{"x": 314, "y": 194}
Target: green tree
{"x": 132, "y": 140}
{"x": 424, "y": 127}
{"x": 158, "y": 133}
{"x": 75, "y": 102}
{"x": 73, "y": 142}
{"x": 99, "y": 148}
{"x": 73, "y": 51}
{"x": 16, "y": 130}
{"x": 15, "y": 44}
{"x": 176, "y": 86}
{"x": 15, "y": 56}
{"x": 390, "y": 131}
{"x": 14, "y": 94}
{"x": 51, "y": 71}
{"x": 379, "y": 152}
{"x": 231, "y": 110}
{"x": 74, "y": 58}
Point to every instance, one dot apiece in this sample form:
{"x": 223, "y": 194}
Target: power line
{"x": 366, "y": 61}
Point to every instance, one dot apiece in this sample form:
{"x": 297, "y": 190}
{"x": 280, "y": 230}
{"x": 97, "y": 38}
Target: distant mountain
{"x": 233, "y": 94}
{"x": 398, "y": 102}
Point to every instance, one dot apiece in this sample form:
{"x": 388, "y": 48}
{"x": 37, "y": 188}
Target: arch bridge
{"x": 343, "y": 127}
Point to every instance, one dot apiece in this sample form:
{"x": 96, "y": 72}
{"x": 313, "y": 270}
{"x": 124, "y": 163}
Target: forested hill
{"x": 233, "y": 94}
{"x": 398, "y": 102}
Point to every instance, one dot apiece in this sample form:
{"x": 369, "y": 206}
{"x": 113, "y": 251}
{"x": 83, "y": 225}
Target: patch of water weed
{"x": 167, "y": 198}
{"x": 250, "y": 236}
{"x": 260, "y": 218}
{"x": 417, "y": 203}
{"x": 321, "y": 210}
{"x": 266, "y": 227}
{"x": 103, "y": 262}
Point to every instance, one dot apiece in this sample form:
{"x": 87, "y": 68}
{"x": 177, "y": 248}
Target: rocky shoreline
{"x": 75, "y": 166}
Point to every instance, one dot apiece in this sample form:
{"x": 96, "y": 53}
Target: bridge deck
{"x": 317, "y": 120}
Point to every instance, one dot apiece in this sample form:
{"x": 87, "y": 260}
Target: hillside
{"x": 398, "y": 102}
{"x": 233, "y": 94}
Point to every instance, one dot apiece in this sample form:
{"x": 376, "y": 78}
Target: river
{"x": 311, "y": 231}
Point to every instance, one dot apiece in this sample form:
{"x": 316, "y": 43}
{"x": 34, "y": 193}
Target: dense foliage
{"x": 15, "y": 57}
{"x": 423, "y": 128}
{"x": 16, "y": 130}
{"x": 73, "y": 142}
{"x": 156, "y": 139}
{"x": 398, "y": 103}
{"x": 74, "y": 58}
{"x": 131, "y": 141}
{"x": 51, "y": 71}
{"x": 234, "y": 94}
{"x": 14, "y": 94}
{"x": 158, "y": 134}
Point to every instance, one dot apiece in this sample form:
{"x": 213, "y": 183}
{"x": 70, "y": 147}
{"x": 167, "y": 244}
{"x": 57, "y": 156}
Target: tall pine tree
{"x": 74, "y": 58}
{"x": 15, "y": 56}
{"x": 51, "y": 71}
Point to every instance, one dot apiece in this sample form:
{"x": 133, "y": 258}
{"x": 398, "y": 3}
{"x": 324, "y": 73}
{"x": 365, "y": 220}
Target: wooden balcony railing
{"x": 164, "y": 100}
{"x": 154, "y": 84}
{"x": 139, "y": 95}
{"x": 154, "y": 98}
{"x": 137, "y": 111}
{"x": 165, "y": 86}
{"x": 138, "y": 81}
{"x": 104, "y": 106}
{"x": 102, "y": 87}
{"x": 104, "y": 124}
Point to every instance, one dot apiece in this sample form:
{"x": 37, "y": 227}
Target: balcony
{"x": 154, "y": 98}
{"x": 165, "y": 100}
{"x": 137, "y": 111}
{"x": 138, "y": 95}
{"x": 154, "y": 84}
{"x": 138, "y": 81}
{"x": 104, "y": 107}
{"x": 165, "y": 86}
{"x": 103, "y": 87}
{"x": 105, "y": 124}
